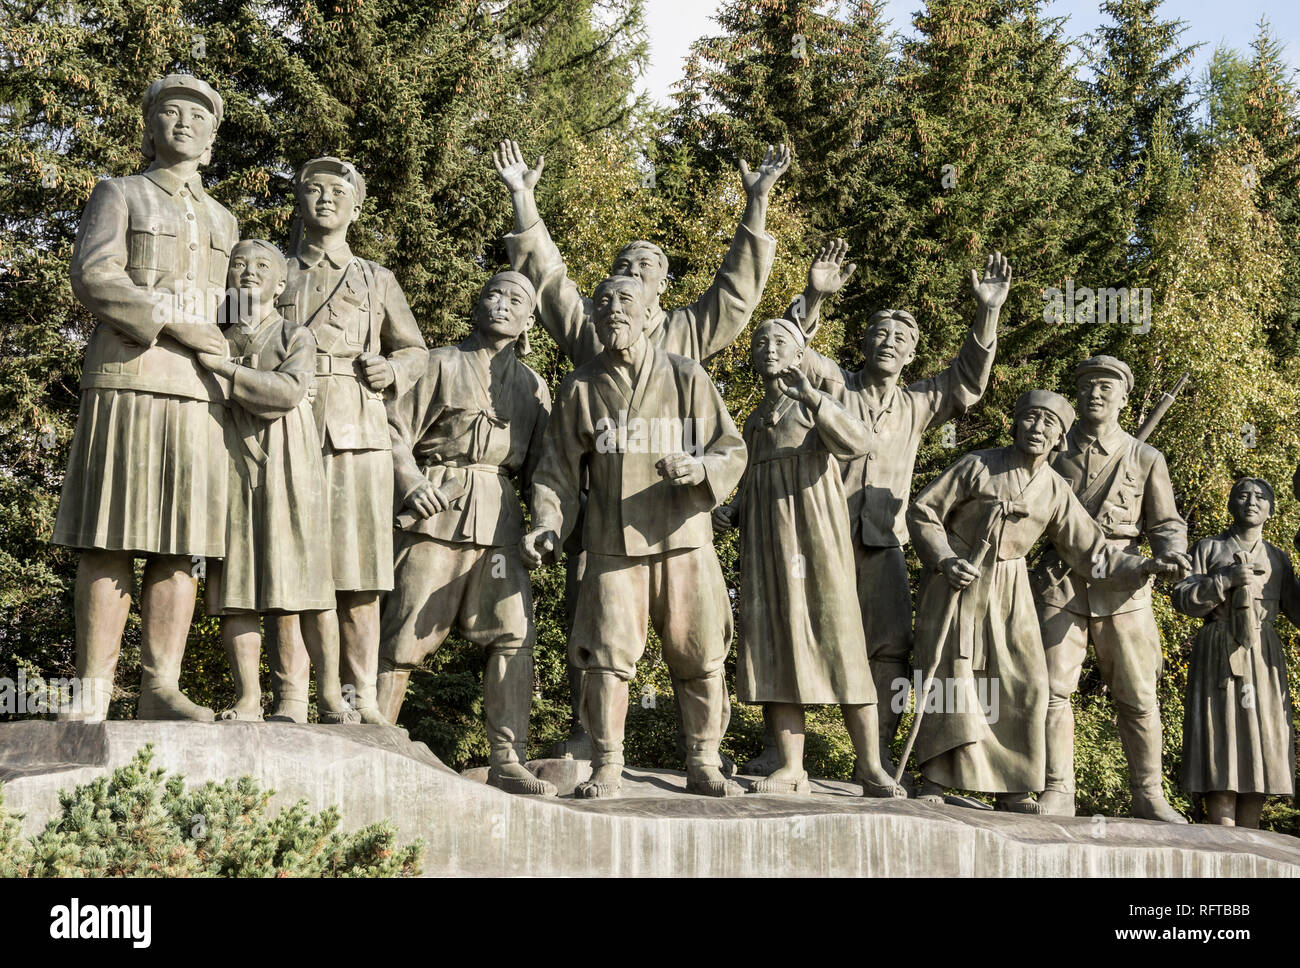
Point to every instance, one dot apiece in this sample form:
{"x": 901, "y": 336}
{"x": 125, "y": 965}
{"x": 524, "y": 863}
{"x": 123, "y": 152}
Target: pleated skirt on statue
{"x": 146, "y": 473}
{"x": 359, "y": 486}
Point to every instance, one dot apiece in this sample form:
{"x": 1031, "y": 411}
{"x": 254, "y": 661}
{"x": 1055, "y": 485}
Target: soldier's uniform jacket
{"x": 1133, "y": 497}
{"x": 632, "y": 509}
{"x": 352, "y": 306}
{"x": 151, "y": 249}
{"x": 469, "y": 434}
{"x": 879, "y": 482}
{"x": 698, "y": 331}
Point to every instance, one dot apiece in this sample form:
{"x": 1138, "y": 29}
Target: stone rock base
{"x": 656, "y": 829}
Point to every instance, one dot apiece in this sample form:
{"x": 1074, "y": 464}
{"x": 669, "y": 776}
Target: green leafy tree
{"x": 802, "y": 73}
{"x": 1272, "y": 119}
{"x": 1222, "y": 89}
{"x": 992, "y": 111}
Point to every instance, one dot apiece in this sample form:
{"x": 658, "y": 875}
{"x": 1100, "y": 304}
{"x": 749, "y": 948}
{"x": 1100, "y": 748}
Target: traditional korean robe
{"x": 979, "y": 738}
{"x": 147, "y": 466}
{"x": 649, "y": 543}
{"x": 277, "y": 532}
{"x": 1237, "y": 725}
{"x": 353, "y": 306}
{"x": 803, "y": 640}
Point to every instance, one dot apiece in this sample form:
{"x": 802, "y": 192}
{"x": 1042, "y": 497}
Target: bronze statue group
{"x": 363, "y": 496}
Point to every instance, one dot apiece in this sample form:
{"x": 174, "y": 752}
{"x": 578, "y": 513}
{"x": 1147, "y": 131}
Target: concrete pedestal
{"x": 374, "y": 773}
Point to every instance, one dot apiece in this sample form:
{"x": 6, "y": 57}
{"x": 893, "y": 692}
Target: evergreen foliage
{"x": 139, "y": 822}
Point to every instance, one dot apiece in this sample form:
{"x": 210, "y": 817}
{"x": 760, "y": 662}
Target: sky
{"x": 674, "y": 24}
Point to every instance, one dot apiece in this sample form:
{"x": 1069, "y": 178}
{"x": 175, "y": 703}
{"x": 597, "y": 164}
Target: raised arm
{"x": 520, "y": 181}
{"x": 758, "y": 186}
{"x": 562, "y": 309}
{"x": 719, "y": 315}
{"x": 959, "y": 387}
{"x": 825, "y": 279}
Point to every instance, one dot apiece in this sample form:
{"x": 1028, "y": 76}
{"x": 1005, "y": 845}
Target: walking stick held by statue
{"x": 927, "y": 684}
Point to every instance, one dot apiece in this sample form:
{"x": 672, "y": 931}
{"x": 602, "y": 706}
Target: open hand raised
{"x": 513, "y": 170}
{"x": 774, "y": 165}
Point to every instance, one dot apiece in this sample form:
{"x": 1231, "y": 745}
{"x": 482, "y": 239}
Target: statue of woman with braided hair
{"x": 1238, "y": 744}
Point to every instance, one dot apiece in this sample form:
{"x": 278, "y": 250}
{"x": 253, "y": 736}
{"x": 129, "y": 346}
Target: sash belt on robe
{"x": 974, "y": 604}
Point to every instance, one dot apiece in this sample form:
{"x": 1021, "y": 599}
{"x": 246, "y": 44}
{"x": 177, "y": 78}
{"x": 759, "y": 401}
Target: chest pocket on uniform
{"x": 353, "y": 307}
{"x": 218, "y": 261}
{"x": 152, "y": 244}
{"x": 1122, "y": 508}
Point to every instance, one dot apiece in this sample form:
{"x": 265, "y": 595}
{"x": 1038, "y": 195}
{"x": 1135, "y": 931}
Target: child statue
{"x": 277, "y": 525}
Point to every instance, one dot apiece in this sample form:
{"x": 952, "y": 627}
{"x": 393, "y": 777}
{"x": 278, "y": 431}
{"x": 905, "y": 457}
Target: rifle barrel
{"x": 1166, "y": 401}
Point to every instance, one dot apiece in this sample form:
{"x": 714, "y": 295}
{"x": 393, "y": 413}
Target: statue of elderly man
{"x": 624, "y": 418}
{"x": 697, "y": 331}
{"x": 146, "y": 473}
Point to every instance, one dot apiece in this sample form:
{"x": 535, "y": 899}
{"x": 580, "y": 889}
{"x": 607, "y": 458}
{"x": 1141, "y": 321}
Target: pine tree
{"x": 583, "y": 58}
{"x": 1139, "y": 93}
{"x": 1222, "y": 90}
{"x": 992, "y": 110}
{"x": 793, "y": 71}
{"x": 141, "y": 822}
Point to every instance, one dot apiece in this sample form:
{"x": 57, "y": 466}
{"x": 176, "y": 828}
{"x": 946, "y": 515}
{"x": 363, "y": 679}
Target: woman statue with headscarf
{"x": 802, "y": 641}
{"x": 984, "y": 700}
